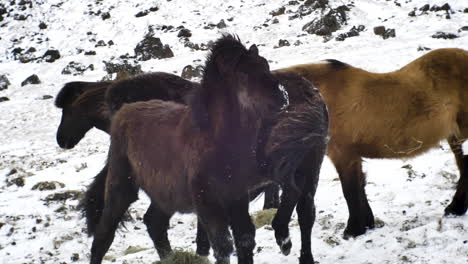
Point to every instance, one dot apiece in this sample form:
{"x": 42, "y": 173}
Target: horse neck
{"x": 100, "y": 117}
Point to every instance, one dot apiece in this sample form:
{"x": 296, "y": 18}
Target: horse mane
{"x": 222, "y": 58}
{"x": 336, "y": 64}
{"x": 81, "y": 93}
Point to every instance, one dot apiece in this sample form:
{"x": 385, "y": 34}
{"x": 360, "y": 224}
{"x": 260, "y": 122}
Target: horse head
{"x": 77, "y": 112}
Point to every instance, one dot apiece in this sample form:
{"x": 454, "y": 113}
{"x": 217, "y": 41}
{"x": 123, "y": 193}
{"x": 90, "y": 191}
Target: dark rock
{"x": 279, "y": 11}
{"x": 152, "y": 48}
{"x": 47, "y": 96}
{"x": 412, "y": 13}
{"x": 105, "y": 15}
{"x": 4, "y": 99}
{"x": 425, "y": 8}
{"x": 292, "y": 3}
{"x": 465, "y": 10}
{"x": 33, "y": 79}
{"x": 100, "y": 43}
{"x": 42, "y": 25}
{"x": 19, "y": 181}
{"x": 420, "y": 48}
{"x": 142, "y": 13}
{"x": 76, "y": 68}
{"x": 283, "y": 43}
{"x": 51, "y": 55}
{"x": 90, "y": 53}
{"x": 154, "y": 9}
{"x": 20, "y": 17}
{"x": 17, "y": 53}
{"x": 75, "y": 257}
{"x": 63, "y": 196}
{"x": 328, "y": 24}
{"x": 444, "y": 35}
{"x": 124, "y": 66}
{"x": 184, "y": 33}
{"x": 221, "y": 24}
{"x": 4, "y": 82}
{"x": 352, "y": 33}
{"x": 47, "y": 185}
{"x": 379, "y": 30}
{"x": 465, "y": 28}
{"x": 190, "y": 72}
{"x": 110, "y": 43}
{"x": 389, "y": 33}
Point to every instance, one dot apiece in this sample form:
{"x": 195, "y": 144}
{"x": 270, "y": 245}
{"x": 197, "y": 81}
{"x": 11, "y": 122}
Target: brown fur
{"x": 398, "y": 114}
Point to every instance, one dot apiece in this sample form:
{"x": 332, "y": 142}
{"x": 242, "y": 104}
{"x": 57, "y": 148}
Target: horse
{"x": 198, "y": 157}
{"x": 84, "y": 105}
{"x": 398, "y": 114}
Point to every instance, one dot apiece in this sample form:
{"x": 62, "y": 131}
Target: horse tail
{"x": 93, "y": 202}
{"x": 301, "y": 129}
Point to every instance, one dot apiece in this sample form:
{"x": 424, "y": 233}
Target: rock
{"x": 352, "y": 33}
{"x": 76, "y": 68}
{"x": 142, "y": 13}
{"x": 152, "y": 48}
{"x": 4, "y": 99}
{"x": 110, "y": 43}
{"x": 42, "y": 25}
{"x": 328, "y": 24}
{"x": 412, "y": 13}
{"x": 47, "y": 96}
{"x": 421, "y": 48}
{"x": 385, "y": 33}
{"x": 100, "y": 43}
{"x": 19, "y": 181}
{"x": 465, "y": 28}
{"x": 63, "y": 196}
{"x": 425, "y": 8}
{"x": 47, "y": 185}
{"x": 4, "y": 82}
{"x": 122, "y": 66}
{"x": 90, "y": 53}
{"x": 51, "y": 55}
{"x": 190, "y": 72}
{"x": 465, "y": 10}
{"x": 221, "y": 24}
{"x": 283, "y": 43}
{"x": 105, "y": 15}
{"x": 184, "y": 33}
{"x": 75, "y": 257}
{"x": 33, "y": 79}
{"x": 279, "y": 11}
{"x": 444, "y": 35}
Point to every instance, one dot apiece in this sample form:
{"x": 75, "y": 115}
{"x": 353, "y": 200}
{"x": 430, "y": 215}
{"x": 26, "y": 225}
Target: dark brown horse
{"x": 200, "y": 157}
{"x": 84, "y": 106}
{"x": 398, "y": 114}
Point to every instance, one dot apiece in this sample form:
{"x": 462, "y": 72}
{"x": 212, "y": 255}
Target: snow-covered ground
{"x": 409, "y": 201}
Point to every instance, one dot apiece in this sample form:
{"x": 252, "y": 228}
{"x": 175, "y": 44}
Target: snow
{"x": 411, "y": 208}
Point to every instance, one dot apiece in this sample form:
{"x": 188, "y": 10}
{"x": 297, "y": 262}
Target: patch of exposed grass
{"x": 264, "y": 217}
{"x": 184, "y": 257}
{"x": 133, "y": 250}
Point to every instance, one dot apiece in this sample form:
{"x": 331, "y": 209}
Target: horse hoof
{"x": 203, "y": 252}
{"x": 285, "y": 246}
{"x": 350, "y": 233}
{"x": 455, "y": 208}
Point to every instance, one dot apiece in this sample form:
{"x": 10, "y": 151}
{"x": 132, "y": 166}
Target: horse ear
{"x": 253, "y": 50}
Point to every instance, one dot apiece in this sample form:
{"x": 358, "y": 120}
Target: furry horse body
{"x": 398, "y": 114}
{"x": 214, "y": 137}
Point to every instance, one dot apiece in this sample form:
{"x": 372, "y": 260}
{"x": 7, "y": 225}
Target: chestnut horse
{"x": 398, "y": 114}
{"x": 198, "y": 157}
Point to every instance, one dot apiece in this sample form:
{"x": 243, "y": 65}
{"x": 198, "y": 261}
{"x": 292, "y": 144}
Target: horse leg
{"x": 459, "y": 203}
{"x": 157, "y": 223}
{"x": 243, "y": 230}
{"x": 289, "y": 199}
{"x": 308, "y": 175}
{"x": 271, "y": 196}
{"x": 120, "y": 193}
{"x": 214, "y": 219}
{"x": 353, "y": 182}
{"x": 203, "y": 243}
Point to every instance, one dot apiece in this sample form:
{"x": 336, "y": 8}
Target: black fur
{"x": 337, "y": 65}
{"x": 73, "y": 90}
